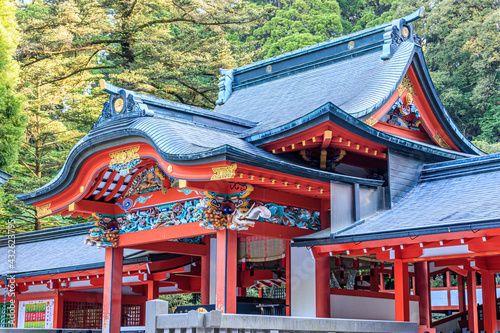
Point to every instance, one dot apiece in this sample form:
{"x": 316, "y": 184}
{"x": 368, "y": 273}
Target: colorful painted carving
{"x": 162, "y": 216}
{"x": 149, "y": 180}
{"x": 292, "y": 216}
{"x": 126, "y": 204}
{"x": 404, "y": 115}
{"x": 214, "y": 211}
{"x": 232, "y": 211}
{"x": 102, "y": 238}
{"x": 124, "y": 169}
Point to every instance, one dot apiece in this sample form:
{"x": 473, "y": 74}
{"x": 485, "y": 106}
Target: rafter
{"x": 106, "y": 186}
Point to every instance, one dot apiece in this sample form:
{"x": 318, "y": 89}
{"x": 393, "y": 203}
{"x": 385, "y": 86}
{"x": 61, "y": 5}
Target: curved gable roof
{"x": 358, "y": 85}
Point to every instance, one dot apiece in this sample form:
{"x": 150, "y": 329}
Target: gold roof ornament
{"x": 124, "y": 156}
{"x": 225, "y": 172}
{"x": 370, "y": 121}
{"x": 43, "y": 210}
{"x": 440, "y": 141}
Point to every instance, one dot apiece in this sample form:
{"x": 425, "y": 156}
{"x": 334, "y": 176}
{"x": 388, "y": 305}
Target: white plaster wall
{"x": 213, "y": 269}
{"x": 303, "y": 283}
{"x": 354, "y": 307}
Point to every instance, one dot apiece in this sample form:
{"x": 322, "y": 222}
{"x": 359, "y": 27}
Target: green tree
{"x": 172, "y": 49}
{"x": 298, "y": 24}
{"x": 12, "y": 120}
{"x": 361, "y": 14}
{"x": 463, "y": 57}
{"x": 11, "y": 116}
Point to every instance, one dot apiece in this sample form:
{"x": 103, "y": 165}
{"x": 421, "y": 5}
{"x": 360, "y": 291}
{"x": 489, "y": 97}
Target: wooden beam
{"x": 172, "y": 247}
{"x": 89, "y": 206}
{"x": 284, "y": 198}
{"x": 162, "y": 234}
{"x": 275, "y": 231}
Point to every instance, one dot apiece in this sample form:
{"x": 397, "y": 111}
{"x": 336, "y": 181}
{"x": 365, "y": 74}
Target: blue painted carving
{"x": 215, "y": 211}
{"x": 293, "y": 216}
{"x": 225, "y": 85}
{"x": 186, "y": 191}
{"x": 126, "y": 204}
{"x": 124, "y": 169}
{"x": 142, "y": 199}
{"x": 162, "y": 216}
{"x": 401, "y": 30}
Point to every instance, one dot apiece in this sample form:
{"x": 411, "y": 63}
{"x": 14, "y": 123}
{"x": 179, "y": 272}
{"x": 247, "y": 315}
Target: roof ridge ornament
{"x": 225, "y": 85}
{"x": 399, "y": 31}
{"x": 122, "y": 103}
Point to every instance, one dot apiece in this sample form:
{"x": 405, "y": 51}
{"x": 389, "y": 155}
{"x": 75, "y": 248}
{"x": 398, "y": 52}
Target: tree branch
{"x": 76, "y": 72}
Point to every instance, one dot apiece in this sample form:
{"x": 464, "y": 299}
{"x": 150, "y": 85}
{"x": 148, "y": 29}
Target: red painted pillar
{"x": 205, "y": 273}
{"x": 401, "y": 290}
{"x": 112, "y": 298}
{"x": 323, "y": 270}
{"x": 423, "y": 290}
{"x": 58, "y": 310}
{"x": 153, "y": 290}
{"x": 288, "y": 263}
{"x": 226, "y": 270}
{"x": 461, "y": 294}
{"x": 472, "y": 302}
{"x": 489, "y": 301}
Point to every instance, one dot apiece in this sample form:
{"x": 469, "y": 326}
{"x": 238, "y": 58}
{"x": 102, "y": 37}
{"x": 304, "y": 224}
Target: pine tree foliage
{"x": 172, "y": 49}
{"x": 11, "y": 116}
{"x": 12, "y": 120}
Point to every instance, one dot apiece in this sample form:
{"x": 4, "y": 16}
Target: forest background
{"x": 53, "y": 52}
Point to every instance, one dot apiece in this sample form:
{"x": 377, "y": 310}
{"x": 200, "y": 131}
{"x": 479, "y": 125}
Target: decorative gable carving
{"x": 123, "y": 104}
{"x": 401, "y": 30}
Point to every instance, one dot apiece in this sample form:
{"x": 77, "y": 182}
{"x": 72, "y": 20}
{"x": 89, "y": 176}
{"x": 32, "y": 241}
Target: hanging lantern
{"x": 342, "y": 273}
{"x": 337, "y": 261}
{"x": 355, "y": 263}
{"x": 243, "y": 264}
{"x": 283, "y": 261}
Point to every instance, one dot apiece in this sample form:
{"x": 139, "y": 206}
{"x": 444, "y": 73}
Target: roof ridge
{"x": 134, "y": 105}
{"x": 334, "y": 41}
{"x": 48, "y": 234}
{"x": 385, "y": 37}
{"x": 463, "y": 167}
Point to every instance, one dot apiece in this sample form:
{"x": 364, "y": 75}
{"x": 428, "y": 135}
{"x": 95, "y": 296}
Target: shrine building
{"x": 333, "y": 173}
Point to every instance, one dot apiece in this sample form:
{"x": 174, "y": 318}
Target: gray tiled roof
{"x": 51, "y": 250}
{"x": 449, "y": 194}
{"x": 179, "y": 141}
{"x": 52, "y": 254}
{"x": 356, "y": 85}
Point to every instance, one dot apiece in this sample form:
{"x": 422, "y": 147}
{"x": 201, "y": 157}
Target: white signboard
{"x": 36, "y": 314}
